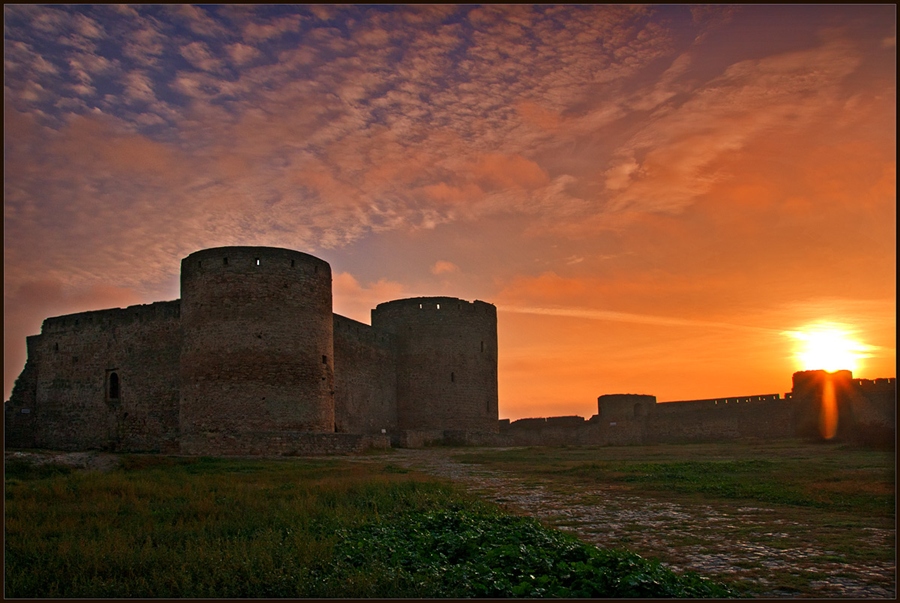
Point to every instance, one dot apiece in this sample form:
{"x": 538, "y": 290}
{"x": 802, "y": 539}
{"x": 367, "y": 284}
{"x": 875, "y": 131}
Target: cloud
{"x": 356, "y": 301}
{"x": 199, "y": 55}
{"x": 258, "y": 32}
{"x": 242, "y": 54}
{"x": 444, "y": 267}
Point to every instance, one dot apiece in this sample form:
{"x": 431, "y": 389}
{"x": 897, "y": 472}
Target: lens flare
{"x": 828, "y": 346}
{"x": 828, "y": 416}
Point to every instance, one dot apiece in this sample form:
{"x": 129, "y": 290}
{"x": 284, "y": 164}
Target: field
{"x": 177, "y": 527}
{"x": 777, "y": 519}
{"x": 783, "y": 519}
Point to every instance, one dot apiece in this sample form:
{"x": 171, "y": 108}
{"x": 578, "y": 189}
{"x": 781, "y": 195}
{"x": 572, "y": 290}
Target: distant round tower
{"x": 257, "y": 345}
{"x": 446, "y": 362}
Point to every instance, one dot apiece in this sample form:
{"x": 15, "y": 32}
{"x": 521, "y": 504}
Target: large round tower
{"x": 446, "y": 362}
{"x": 256, "y": 356}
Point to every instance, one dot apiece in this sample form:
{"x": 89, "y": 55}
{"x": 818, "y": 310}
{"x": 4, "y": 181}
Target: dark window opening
{"x": 315, "y": 268}
{"x": 452, "y": 377}
{"x": 482, "y": 346}
{"x": 113, "y": 386}
{"x": 324, "y": 359}
{"x": 292, "y": 263}
{"x": 225, "y": 261}
{"x": 55, "y": 347}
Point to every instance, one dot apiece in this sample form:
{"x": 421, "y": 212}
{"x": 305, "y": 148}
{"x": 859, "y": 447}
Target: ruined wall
{"x": 365, "y": 378}
{"x": 622, "y": 407}
{"x": 76, "y": 357}
{"x": 446, "y": 362}
{"x": 18, "y": 412}
{"x": 257, "y": 351}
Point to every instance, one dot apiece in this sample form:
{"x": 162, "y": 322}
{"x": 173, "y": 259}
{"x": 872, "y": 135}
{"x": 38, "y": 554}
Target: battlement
{"x": 443, "y": 304}
{"x": 251, "y": 260}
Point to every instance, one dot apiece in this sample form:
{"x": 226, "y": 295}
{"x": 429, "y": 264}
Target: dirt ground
{"x": 751, "y": 545}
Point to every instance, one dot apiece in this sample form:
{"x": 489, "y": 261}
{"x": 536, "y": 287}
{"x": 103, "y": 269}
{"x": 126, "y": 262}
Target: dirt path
{"x": 735, "y": 543}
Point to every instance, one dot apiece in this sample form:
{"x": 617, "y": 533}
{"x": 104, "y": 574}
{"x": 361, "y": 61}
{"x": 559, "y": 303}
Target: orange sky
{"x": 653, "y": 197}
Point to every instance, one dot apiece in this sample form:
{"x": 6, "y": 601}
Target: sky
{"x": 664, "y": 200}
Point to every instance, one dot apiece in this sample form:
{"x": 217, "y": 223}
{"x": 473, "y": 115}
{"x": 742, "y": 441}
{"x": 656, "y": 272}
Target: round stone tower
{"x": 446, "y": 362}
{"x": 256, "y": 357}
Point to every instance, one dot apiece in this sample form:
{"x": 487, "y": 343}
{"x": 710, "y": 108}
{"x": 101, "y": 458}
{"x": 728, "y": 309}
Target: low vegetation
{"x": 825, "y": 477}
{"x": 792, "y": 518}
{"x": 174, "y": 527}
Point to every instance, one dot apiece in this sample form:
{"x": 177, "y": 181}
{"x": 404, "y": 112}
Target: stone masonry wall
{"x": 365, "y": 378}
{"x": 446, "y": 362}
{"x": 257, "y": 352}
{"x": 74, "y": 408}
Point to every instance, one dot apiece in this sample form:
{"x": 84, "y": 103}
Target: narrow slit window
{"x": 452, "y": 377}
{"x": 324, "y": 359}
{"x": 225, "y": 261}
{"x": 257, "y": 261}
{"x": 113, "y": 386}
{"x": 482, "y": 346}
{"x": 439, "y": 306}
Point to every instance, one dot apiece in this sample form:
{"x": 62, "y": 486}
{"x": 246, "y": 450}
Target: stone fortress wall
{"x": 866, "y": 413}
{"x": 252, "y": 360}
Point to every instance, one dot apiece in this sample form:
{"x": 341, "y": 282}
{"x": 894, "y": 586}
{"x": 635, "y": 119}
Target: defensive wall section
{"x": 866, "y": 413}
{"x": 365, "y": 382}
{"x": 103, "y": 379}
{"x": 252, "y": 360}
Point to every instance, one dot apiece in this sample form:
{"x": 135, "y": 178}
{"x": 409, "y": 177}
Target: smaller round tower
{"x": 446, "y": 362}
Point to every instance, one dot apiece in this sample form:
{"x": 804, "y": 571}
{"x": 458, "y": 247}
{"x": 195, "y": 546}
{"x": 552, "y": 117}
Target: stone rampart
{"x": 106, "y": 379}
{"x": 365, "y": 378}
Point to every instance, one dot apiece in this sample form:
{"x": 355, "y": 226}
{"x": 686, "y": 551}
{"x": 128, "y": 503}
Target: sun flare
{"x": 828, "y": 346}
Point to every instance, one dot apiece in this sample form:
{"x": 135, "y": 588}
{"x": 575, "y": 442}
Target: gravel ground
{"x": 697, "y": 535}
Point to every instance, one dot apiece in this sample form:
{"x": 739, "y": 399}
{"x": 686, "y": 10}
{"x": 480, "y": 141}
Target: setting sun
{"x": 828, "y": 346}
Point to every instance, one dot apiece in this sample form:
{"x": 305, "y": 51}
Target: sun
{"x": 828, "y": 346}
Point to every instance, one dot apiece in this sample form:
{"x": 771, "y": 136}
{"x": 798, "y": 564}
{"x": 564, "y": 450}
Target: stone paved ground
{"x": 742, "y": 543}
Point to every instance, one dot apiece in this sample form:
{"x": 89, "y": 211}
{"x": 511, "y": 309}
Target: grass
{"x": 177, "y": 527}
{"x": 827, "y": 478}
{"x": 823, "y": 499}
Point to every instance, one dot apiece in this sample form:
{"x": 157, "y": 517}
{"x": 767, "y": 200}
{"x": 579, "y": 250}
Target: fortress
{"x": 252, "y": 361}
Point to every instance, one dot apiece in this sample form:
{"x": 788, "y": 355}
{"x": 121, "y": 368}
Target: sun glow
{"x": 828, "y": 346}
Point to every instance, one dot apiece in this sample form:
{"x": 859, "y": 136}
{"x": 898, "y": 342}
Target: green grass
{"x": 828, "y": 478}
{"x": 176, "y": 527}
